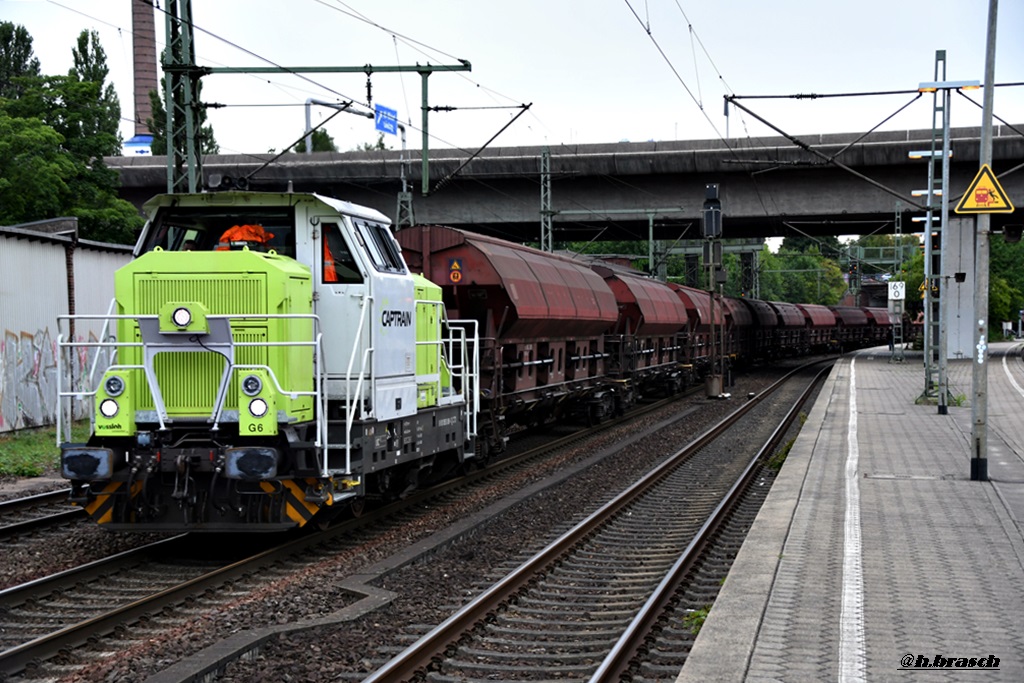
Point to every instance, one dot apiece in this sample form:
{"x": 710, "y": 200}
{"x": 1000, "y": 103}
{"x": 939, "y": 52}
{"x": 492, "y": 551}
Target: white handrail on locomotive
{"x": 113, "y": 352}
{"x": 349, "y": 397}
{"x": 86, "y": 381}
{"x": 66, "y": 348}
{"x": 469, "y": 378}
{"x": 465, "y": 371}
{"x": 470, "y": 367}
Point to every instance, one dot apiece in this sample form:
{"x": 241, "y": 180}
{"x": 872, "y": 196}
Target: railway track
{"x": 587, "y": 606}
{"x": 21, "y": 515}
{"x": 63, "y": 623}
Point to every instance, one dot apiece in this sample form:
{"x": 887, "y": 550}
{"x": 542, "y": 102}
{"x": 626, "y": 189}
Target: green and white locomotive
{"x": 270, "y": 361}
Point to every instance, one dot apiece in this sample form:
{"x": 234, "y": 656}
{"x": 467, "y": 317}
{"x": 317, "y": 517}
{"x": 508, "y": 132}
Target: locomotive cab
{"x": 270, "y": 357}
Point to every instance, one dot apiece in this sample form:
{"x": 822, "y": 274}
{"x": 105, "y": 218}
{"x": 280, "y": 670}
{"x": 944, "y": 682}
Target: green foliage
{"x": 875, "y": 241}
{"x": 695, "y": 619}
{"x": 779, "y": 458}
{"x": 94, "y": 127}
{"x": 34, "y": 171}
{"x": 771, "y": 277}
{"x": 1006, "y": 280}
{"x": 368, "y": 147}
{"x": 32, "y": 452}
{"x": 803, "y": 277}
{"x": 53, "y": 137}
{"x": 1004, "y": 302}
{"x": 322, "y": 142}
{"x": 827, "y": 245}
{"x": 16, "y": 60}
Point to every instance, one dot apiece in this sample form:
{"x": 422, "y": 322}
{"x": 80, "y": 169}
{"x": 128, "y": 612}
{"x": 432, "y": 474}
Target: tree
{"x": 55, "y": 136}
{"x": 34, "y": 171}
{"x": 1006, "y": 268}
{"x": 913, "y": 275}
{"x": 16, "y": 60}
{"x": 372, "y": 147}
{"x": 97, "y": 126}
{"x": 770, "y": 275}
{"x": 826, "y": 245}
{"x": 808, "y": 277}
{"x": 322, "y": 142}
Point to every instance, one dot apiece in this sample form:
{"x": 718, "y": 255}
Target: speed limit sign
{"x": 897, "y": 291}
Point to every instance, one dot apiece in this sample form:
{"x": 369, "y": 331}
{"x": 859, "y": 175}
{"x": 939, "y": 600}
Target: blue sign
{"x": 386, "y": 119}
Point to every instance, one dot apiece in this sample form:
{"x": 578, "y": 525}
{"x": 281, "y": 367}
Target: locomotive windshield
{"x": 207, "y": 229}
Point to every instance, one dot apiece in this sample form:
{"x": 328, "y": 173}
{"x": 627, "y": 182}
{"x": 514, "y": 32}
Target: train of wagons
{"x": 273, "y": 359}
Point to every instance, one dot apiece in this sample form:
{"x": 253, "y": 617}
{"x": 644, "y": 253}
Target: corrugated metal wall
{"x": 33, "y": 292}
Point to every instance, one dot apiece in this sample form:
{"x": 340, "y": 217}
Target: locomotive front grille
{"x": 189, "y": 380}
{"x": 227, "y": 295}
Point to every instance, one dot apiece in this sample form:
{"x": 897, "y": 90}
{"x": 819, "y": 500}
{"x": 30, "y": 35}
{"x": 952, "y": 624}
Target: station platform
{"x": 875, "y": 557}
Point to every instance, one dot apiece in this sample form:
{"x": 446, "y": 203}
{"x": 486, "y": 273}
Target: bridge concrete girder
{"x": 768, "y": 186}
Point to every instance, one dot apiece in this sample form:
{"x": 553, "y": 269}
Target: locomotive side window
{"x": 380, "y": 246}
{"x": 339, "y": 266}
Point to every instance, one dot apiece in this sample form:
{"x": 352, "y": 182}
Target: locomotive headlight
{"x": 252, "y": 385}
{"x": 114, "y": 386}
{"x": 258, "y": 407}
{"x": 108, "y": 407}
{"x": 181, "y": 316}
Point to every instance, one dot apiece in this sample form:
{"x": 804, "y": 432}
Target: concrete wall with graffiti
{"x": 34, "y": 285}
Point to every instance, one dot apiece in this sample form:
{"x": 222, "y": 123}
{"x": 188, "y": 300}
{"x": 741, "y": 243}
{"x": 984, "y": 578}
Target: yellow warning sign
{"x": 455, "y": 270}
{"x": 985, "y": 195}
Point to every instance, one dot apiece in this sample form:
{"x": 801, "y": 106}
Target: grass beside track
{"x": 33, "y": 452}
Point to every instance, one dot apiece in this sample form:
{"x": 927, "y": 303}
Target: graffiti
{"x": 28, "y": 379}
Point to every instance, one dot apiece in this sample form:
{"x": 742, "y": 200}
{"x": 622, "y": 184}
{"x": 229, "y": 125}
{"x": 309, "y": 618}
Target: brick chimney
{"x": 144, "y": 52}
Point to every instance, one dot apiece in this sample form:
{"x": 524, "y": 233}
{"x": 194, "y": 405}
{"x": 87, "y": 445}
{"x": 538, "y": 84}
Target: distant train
{"x": 277, "y": 358}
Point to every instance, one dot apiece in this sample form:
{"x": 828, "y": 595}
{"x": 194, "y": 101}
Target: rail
{"x": 429, "y": 647}
{"x": 625, "y": 649}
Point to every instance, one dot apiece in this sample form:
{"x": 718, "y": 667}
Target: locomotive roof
{"x": 251, "y": 198}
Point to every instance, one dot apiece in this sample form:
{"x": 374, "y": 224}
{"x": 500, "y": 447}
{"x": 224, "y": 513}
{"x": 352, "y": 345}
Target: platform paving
{"x": 875, "y": 554}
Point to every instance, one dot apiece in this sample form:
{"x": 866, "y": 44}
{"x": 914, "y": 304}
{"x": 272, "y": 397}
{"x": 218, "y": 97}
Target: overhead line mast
{"x": 184, "y": 161}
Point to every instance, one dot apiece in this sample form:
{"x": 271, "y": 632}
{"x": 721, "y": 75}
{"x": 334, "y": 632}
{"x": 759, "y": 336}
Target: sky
{"x": 593, "y": 71}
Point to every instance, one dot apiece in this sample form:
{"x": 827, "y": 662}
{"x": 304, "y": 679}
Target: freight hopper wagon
{"x": 645, "y": 347}
{"x": 270, "y": 361}
{"x": 542, "y": 320}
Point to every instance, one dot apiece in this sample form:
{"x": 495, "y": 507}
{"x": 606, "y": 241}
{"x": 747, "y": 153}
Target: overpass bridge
{"x": 632, "y": 191}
